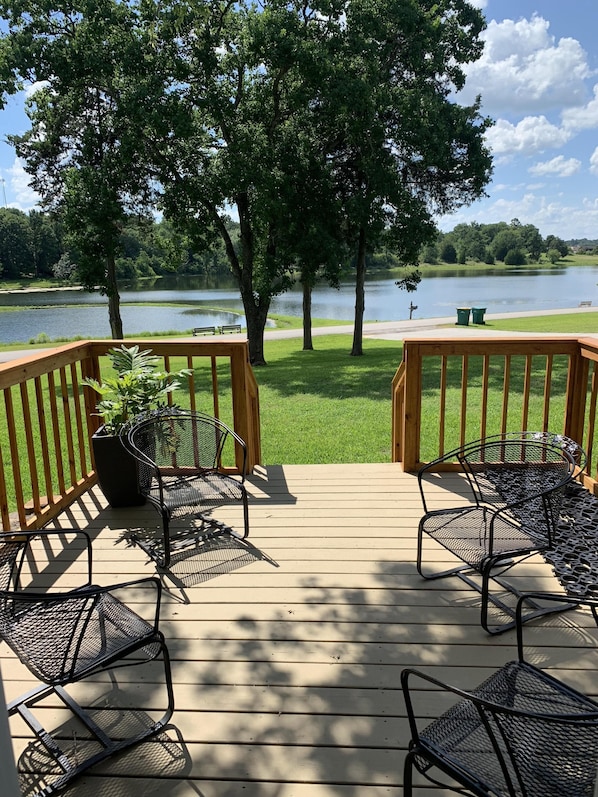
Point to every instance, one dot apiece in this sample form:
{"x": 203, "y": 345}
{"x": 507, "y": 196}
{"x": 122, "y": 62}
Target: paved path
{"x": 387, "y": 330}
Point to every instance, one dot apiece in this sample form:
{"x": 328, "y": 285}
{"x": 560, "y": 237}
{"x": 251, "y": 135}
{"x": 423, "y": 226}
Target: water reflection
{"x": 181, "y": 303}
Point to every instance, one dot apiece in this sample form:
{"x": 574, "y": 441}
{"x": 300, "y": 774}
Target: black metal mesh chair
{"x": 515, "y": 486}
{"x": 181, "y": 465}
{"x": 521, "y": 733}
{"x": 65, "y": 637}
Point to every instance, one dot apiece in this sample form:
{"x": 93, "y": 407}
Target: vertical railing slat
{"x": 504, "y": 419}
{"x": 547, "y": 393}
{"x": 442, "y": 419}
{"x": 30, "y": 446}
{"x": 56, "y": 438}
{"x": 464, "y": 384}
{"x": 15, "y": 459}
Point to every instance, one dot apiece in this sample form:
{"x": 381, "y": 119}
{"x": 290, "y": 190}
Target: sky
{"x": 538, "y": 80}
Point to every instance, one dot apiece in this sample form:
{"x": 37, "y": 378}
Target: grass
{"x": 324, "y": 405}
{"x": 574, "y": 323}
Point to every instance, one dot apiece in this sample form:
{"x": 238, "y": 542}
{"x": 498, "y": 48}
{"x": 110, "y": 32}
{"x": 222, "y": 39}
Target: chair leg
{"x": 48, "y": 763}
{"x": 408, "y": 775}
{"x": 245, "y": 514}
{"x": 165, "y": 561}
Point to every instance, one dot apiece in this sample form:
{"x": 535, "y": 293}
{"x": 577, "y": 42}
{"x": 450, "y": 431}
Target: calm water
{"x": 498, "y": 291}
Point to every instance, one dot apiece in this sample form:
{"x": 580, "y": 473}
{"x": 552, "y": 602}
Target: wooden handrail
{"x": 490, "y": 385}
{"x": 49, "y": 419}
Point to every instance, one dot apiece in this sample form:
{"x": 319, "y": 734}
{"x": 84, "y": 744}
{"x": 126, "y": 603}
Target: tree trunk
{"x": 307, "y": 336}
{"x": 256, "y": 317}
{"x": 357, "y": 349}
{"x": 116, "y": 324}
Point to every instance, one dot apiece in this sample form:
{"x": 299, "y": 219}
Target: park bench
{"x": 585, "y": 304}
{"x": 204, "y": 330}
{"x": 230, "y": 328}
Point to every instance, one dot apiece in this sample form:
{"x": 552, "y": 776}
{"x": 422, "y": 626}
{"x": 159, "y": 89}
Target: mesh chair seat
{"x": 526, "y": 738}
{"x": 472, "y": 533}
{"x": 182, "y": 496}
{"x": 521, "y": 733}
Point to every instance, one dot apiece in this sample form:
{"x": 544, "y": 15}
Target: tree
{"x": 242, "y": 138}
{"x": 448, "y": 253}
{"x": 402, "y": 149}
{"x": 552, "y": 242}
{"x": 506, "y": 240}
{"x": 16, "y": 244}
{"x": 84, "y": 150}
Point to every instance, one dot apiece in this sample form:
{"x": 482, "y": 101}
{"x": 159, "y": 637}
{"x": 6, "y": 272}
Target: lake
{"x": 191, "y": 301}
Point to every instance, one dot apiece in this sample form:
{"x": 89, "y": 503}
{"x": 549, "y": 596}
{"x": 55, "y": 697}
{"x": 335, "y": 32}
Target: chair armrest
{"x": 430, "y": 466}
{"x": 92, "y": 591}
{"x": 243, "y": 446}
{"x": 482, "y": 703}
{"x": 27, "y": 537}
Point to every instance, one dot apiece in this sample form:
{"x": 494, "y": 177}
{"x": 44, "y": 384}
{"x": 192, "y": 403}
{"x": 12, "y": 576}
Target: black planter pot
{"x": 117, "y": 470}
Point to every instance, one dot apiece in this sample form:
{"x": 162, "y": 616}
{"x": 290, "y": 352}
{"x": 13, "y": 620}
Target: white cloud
{"x": 523, "y": 69}
{"x": 33, "y": 87}
{"x": 531, "y": 135}
{"x": 594, "y": 162}
{"x": 584, "y": 117}
{"x": 479, "y": 3}
{"x": 551, "y": 215}
{"x": 26, "y": 197}
{"x": 559, "y": 166}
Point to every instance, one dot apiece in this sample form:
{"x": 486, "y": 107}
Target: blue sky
{"x": 538, "y": 79}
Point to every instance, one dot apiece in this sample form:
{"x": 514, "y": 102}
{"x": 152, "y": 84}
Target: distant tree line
{"x": 32, "y": 246}
{"x": 514, "y": 244}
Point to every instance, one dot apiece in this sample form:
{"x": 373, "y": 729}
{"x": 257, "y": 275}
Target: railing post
{"x": 412, "y": 406}
{"x": 245, "y": 397}
{"x": 575, "y": 402}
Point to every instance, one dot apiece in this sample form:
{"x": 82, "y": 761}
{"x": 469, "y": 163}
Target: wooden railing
{"x": 446, "y": 392}
{"x": 45, "y": 452}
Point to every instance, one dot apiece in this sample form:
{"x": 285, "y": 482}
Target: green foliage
{"x": 138, "y": 385}
{"x": 489, "y": 242}
{"x": 514, "y": 257}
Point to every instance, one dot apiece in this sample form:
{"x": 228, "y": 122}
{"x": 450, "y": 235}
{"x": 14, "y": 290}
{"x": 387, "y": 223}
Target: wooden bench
{"x": 204, "y": 330}
{"x": 230, "y": 328}
{"x": 585, "y": 304}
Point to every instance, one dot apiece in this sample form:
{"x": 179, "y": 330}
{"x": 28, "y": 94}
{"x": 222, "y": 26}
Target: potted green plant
{"x": 138, "y": 385}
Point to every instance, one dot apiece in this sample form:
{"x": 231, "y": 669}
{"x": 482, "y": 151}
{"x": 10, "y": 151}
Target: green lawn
{"x": 324, "y": 405}
{"x": 574, "y": 323}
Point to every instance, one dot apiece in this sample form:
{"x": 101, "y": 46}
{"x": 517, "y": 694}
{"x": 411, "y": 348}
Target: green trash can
{"x": 463, "y": 316}
{"x": 477, "y": 315}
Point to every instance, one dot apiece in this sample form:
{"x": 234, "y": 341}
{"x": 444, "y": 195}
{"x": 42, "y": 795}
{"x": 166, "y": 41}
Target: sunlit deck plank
{"x": 286, "y": 668}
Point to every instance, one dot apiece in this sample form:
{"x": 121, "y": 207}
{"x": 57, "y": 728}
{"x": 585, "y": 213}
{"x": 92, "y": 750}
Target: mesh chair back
{"x": 520, "y": 734}
{"x": 523, "y": 475}
{"x": 180, "y": 441}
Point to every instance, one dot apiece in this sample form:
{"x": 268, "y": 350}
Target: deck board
{"x": 287, "y": 656}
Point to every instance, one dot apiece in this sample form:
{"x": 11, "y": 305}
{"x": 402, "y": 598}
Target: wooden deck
{"x": 287, "y": 653}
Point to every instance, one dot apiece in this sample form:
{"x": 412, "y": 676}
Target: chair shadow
{"x": 198, "y": 554}
{"x": 145, "y": 768}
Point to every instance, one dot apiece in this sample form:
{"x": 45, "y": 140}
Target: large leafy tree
{"x": 243, "y": 140}
{"x": 84, "y": 151}
{"x": 403, "y": 148}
